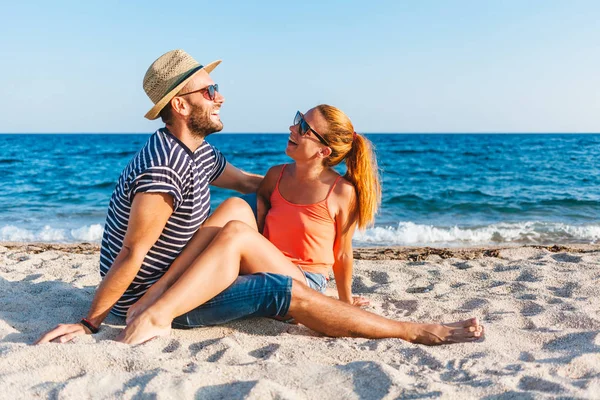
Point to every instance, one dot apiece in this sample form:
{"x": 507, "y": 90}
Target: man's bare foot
{"x": 144, "y": 302}
{"x": 144, "y": 328}
{"x": 468, "y": 330}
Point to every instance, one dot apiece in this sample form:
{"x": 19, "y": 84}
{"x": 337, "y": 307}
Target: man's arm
{"x": 236, "y": 179}
{"x": 149, "y": 215}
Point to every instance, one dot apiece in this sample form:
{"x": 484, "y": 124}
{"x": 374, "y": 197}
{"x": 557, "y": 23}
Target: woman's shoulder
{"x": 274, "y": 172}
{"x": 275, "y": 169}
{"x": 344, "y": 189}
{"x": 270, "y": 180}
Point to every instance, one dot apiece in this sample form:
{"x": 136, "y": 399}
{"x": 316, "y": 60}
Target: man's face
{"x": 204, "y": 118}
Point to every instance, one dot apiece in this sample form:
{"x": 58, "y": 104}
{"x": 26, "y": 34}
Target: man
{"x": 158, "y": 222}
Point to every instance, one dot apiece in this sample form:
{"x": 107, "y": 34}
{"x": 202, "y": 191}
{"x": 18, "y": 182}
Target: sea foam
{"x": 88, "y": 233}
{"x": 411, "y": 234}
{"x": 404, "y": 234}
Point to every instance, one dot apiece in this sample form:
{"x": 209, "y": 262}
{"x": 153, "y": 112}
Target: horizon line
{"x": 362, "y": 133}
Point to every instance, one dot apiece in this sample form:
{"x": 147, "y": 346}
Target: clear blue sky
{"x": 393, "y": 66}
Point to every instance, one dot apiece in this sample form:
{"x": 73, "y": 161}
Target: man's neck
{"x": 186, "y": 137}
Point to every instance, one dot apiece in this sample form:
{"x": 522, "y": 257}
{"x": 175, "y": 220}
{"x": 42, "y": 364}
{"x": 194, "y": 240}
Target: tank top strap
{"x": 279, "y": 179}
{"x": 333, "y": 186}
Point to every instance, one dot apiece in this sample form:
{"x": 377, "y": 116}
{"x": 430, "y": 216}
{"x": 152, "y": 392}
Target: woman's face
{"x": 306, "y": 145}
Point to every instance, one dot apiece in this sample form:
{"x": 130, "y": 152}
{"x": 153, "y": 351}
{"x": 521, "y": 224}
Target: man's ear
{"x": 180, "y": 106}
{"x": 325, "y": 151}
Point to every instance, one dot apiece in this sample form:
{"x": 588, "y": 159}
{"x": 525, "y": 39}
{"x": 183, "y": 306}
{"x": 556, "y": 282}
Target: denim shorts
{"x": 316, "y": 281}
{"x": 256, "y": 295}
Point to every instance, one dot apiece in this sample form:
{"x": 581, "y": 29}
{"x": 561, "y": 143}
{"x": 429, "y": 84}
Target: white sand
{"x": 541, "y": 311}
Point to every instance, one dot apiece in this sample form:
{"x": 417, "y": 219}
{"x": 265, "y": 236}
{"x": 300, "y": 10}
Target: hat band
{"x": 187, "y": 75}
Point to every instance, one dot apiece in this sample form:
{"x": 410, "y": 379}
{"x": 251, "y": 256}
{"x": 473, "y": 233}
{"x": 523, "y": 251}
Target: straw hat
{"x": 167, "y": 75}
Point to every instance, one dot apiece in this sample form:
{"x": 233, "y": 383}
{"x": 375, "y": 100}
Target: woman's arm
{"x": 263, "y": 195}
{"x": 344, "y": 200}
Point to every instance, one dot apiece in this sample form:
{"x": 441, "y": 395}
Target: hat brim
{"x": 155, "y": 111}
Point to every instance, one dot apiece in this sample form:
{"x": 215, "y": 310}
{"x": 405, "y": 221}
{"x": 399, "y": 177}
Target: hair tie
{"x": 354, "y": 135}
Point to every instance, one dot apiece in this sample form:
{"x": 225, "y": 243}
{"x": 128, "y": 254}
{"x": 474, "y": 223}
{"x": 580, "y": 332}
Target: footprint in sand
{"x": 380, "y": 277}
{"x": 527, "y": 296}
{"x": 195, "y": 348}
{"x": 566, "y": 290}
{"x": 420, "y": 357}
{"x": 530, "y": 308}
{"x": 566, "y": 258}
{"x": 360, "y": 286}
{"x": 421, "y": 289}
{"x": 528, "y": 275}
{"x": 401, "y": 307}
{"x": 505, "y": 268}
{"x": 473, "y": 304}
{"x": 173, "y": 346}
{"x": 463, "y": 265}
{"x": 266, "y": 352}
{"x": 539, "y": 385}
{"x": 190, "y": 368}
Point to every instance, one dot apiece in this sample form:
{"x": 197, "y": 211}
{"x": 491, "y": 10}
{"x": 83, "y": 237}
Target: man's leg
{"x": 273, "y": 295}
{"x": 236, "y": 248}
{"x": 256, "y": 295}
{"x": 338, "y": 319}
{"x": 231, "y": 209}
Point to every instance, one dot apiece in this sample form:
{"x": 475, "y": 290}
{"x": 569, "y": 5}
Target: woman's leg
{"x": 236, "y": 246}
{"x": 231, "y": 209}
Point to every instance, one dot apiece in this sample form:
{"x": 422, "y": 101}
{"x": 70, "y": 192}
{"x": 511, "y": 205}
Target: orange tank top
{"x": 304, "y": 233}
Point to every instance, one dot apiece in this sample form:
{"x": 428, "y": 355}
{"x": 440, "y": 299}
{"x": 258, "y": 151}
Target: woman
{"x": 309, "y": 213}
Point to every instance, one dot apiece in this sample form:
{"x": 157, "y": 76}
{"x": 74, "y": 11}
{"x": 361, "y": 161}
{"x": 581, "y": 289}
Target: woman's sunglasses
{"x": 305, "y": 128}
{"x": 208, "y": 92}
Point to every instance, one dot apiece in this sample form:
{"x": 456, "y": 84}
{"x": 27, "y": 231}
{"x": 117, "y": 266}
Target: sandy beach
{"x": 540, "y": 306}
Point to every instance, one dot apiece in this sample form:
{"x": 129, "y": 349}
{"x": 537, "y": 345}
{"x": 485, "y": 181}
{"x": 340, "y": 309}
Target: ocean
{"x": 438, "y": 189}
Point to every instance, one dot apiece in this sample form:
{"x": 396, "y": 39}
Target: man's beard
{"x": 201, "y": 124}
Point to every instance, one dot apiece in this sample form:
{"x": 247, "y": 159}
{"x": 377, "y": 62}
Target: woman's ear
{"x": 325, "y": 152}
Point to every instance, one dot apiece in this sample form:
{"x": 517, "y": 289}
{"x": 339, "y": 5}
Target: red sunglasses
{"x": 209, "y": 92}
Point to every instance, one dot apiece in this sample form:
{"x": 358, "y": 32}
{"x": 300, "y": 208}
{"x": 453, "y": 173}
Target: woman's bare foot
{"x": 468, "y": 330}
{"x": 144, "y": 328}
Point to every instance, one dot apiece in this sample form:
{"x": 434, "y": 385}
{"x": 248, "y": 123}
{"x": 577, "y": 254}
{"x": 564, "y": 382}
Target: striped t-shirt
{"x": 164, "y": 165}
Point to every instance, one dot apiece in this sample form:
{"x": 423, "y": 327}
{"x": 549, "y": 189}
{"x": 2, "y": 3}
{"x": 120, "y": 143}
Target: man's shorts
{"x": 256, "y": 295}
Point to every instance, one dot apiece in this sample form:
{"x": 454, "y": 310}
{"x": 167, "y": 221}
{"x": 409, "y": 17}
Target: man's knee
{"x": 238, "y": 209}
{"x": 301, "y": 296}
{"x": 236, "y": 205}
{"x": 236, "y": 230}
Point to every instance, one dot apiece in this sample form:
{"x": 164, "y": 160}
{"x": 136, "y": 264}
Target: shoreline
{"x": 382, "y": 253}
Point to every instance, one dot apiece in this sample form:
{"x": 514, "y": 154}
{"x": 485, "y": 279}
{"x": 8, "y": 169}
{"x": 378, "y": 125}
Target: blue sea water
{"x": 438, "y": 189}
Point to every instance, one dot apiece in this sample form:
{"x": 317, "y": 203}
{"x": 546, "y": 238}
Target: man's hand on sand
{"x": 63, "y": 333}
